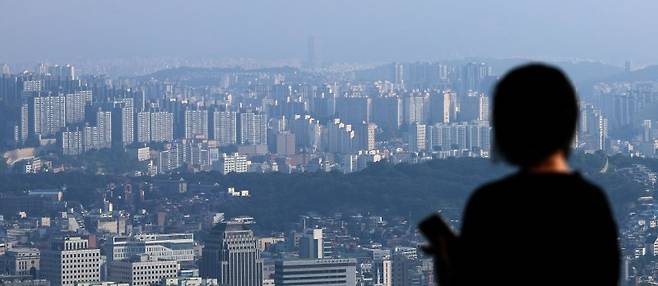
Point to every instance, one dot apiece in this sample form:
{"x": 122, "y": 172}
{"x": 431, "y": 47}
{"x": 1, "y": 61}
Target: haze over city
{"x": 301, "y": 142}
{"x": 345, "y": 30}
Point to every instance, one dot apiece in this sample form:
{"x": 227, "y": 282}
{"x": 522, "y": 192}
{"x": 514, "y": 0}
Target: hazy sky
{"x": 345, "y": 30}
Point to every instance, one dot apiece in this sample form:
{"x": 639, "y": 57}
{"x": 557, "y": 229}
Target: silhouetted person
{"x": 545, "y": 224}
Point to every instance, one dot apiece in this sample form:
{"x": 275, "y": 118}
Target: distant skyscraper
{"x": 285, "y": 143}
{"x": 417, "y": 133}
{"x": 225, "y": 127}
{"x": 71, "y": 142}
{"x": 231, "y": 254}
{"x": 24, "y": 123}
{"x": 415, "y": 108}
{"x": 449, "y": 106}
{"x": 307, "y": 131}
{"x": 65, "y": 72}
{"x": 352, "y": 110}
{"x": 253, "y": 128}
{"x": 196, "y": 124}
{"x": 593, "y": 133}
{"x": 75, "y": 108}
{"x": 162, "y": 126}
{"x": 387, "y": 113}
{"x": 365, "y": 136}
{"x": 474, "y": 106}
{"x": 104, "y": 124}
{"x": 5, "y": 69}
{"x": 144, "y": 127}
{"x": 71, "y": 261}
{"x": 90, "y": 138}
{"x": 311, "y": 244}
{"x": 474, "y": 75}
{"x": 647, "y": 131}
{"x": 123, "y": 121}
{"x": 49, "y": 114}
{"x": 340, "y": 137}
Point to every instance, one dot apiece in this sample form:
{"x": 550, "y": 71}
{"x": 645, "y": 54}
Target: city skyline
{"x": 298, "y": 142}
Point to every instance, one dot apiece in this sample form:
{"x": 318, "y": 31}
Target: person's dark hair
{"x": 535, "y": 113}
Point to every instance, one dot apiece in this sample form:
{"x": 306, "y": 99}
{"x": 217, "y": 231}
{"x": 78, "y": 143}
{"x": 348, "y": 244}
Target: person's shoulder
{"x": 589, "y": 188}
{"x": 494, "y": 189}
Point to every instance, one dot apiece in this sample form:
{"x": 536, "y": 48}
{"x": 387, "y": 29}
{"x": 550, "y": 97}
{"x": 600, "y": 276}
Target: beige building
{"x": 143, "y": 270}
{"x": 71, "y": 261}
{"x": 21, "y": 261}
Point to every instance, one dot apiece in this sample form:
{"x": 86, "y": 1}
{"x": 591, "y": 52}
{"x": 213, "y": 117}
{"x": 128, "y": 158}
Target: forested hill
{"x": 383, "y": 189}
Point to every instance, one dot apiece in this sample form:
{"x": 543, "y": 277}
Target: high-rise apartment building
{"x": 71, "y": 142}
{"x": 365, "y": 136}
{"x": 417, "y": 137}
{"x": 353, "y": 110}
{"x": 225, "y": 127}
{"x": 340, "y": 137}
{"x": 144, "y": 127}
{"x": 196, "y": 124}
{"x": 162, "y": 126}
{"x": 285, "y": 143}
{"x": 104, "y": 125}
{"x": 75, "y": 107}
{"x": 48, "y": 114}
{"x": 123, "y": 122}
{"x": 253, "y": 128}
{"x": 231, "y": 163}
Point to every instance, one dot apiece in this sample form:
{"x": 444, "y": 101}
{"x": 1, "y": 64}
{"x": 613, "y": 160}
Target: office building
{"x": 311, "y": 244}
{"x": 70, "y": 261}
{"x": 172, "y": 246}
{"x": 143, "y": 270}
{"x": 21, "y": 262}
{"x": 335, "y": 272}
{"x": 231, "y": 254}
